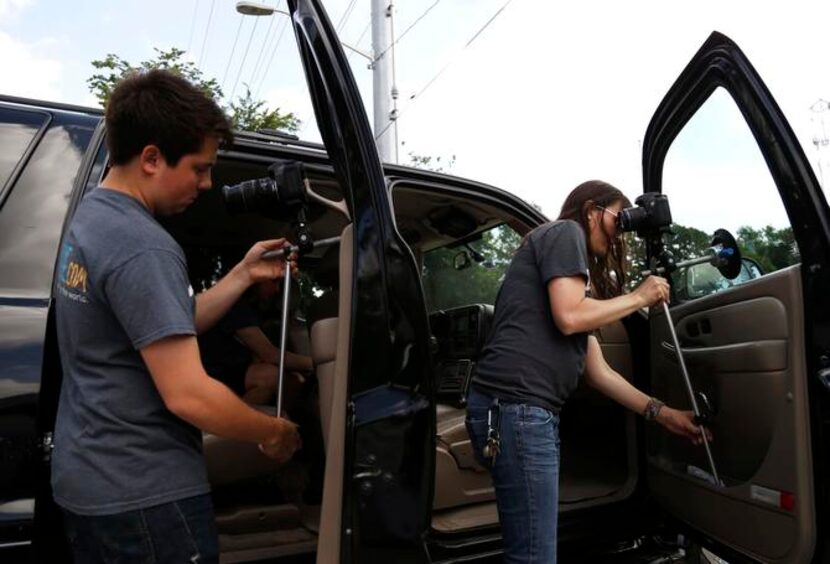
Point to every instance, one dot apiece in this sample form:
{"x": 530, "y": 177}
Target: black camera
{"x": 650, "y": 215}
{"x": 280, "y": 195}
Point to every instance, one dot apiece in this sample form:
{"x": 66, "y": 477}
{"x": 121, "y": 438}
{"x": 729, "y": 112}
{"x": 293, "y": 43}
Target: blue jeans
{"x": 525, "y": 474}
{"x": 182, "y": 531}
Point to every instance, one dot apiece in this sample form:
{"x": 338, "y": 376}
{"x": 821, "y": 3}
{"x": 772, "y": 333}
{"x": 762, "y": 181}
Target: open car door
{"x": 758, "y": 347}
{"x": 380, "y": 456}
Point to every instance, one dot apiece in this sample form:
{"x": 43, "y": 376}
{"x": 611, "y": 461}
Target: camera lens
{"x": 249, "y": 195}
{"x": 630, "y": 219}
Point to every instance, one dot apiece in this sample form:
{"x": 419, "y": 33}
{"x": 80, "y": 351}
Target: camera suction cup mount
{"x": 723, "y": 253}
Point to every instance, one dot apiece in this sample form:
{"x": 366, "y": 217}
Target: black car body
{"x": 394, "y": 318}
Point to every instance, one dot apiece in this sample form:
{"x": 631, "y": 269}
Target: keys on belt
{"x": 492, "y": 447}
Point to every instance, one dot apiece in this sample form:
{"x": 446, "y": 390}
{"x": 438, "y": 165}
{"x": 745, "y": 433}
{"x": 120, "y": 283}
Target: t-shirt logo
{"x": 72, "y": 276}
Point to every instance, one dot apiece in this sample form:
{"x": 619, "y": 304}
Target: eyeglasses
{"x": 616, "y": 217}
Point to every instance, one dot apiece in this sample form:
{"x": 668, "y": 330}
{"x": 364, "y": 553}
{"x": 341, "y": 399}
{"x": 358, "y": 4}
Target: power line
{"x": 207, "y": 29}
{"x": 444, "y": 68}
{"x": 363, "y": 33}
{"x": 466, "y": 45}
{"x": 359, "y": 39}
{"x": 233, "y": 49}
{"x": 244, "y": 58}
{"x": 264, "y": 43}
{"x": 345, "y": 17}
{"x": 192, "y": 24}
{"x": 273, "y": 56}
{"x": 267, "y": 48}
{"x": 413, "y": 24}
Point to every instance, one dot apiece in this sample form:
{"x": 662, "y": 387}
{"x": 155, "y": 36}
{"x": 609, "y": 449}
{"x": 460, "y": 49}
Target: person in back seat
{"x": 565, "y": 280}
{"x": 238, "y": 353}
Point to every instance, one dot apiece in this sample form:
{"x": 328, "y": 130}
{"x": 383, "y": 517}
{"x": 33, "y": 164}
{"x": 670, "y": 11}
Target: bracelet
{"x": 653, "y": 407}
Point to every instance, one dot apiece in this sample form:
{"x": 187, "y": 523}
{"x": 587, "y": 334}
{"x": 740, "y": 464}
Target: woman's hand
{"x": 652, "y": 291}
{"x": 682, "y": 423}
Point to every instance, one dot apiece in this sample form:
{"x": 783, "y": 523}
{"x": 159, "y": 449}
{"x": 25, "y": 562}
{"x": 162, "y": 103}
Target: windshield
{"x": 472, "y": 273}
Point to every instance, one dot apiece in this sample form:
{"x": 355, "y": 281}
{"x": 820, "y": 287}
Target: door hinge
{"x": 350, "y": 415}
{"x": 47, "y": 445}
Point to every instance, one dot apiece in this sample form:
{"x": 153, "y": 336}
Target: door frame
{"x": 721, "y": 63}
{"x": 390, "y": 386}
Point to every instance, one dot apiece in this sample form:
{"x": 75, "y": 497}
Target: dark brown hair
{"x": 608, "y": 272}
{"x": 160, "y": 108}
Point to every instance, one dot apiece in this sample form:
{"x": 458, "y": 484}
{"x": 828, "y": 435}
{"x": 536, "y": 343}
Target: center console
{"x": 461, "y": 334}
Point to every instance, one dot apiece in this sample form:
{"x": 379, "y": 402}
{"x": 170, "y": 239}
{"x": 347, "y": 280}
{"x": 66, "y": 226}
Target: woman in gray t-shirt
{"x": 565, "y": 280}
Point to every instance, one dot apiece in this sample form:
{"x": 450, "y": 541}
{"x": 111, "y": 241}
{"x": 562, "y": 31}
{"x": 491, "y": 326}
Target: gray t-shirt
{"x": 122, "y": 284}
{"x": 527, "y": 359}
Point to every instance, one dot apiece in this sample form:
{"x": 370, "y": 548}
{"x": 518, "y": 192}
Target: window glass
{"x": 459, "y": 274}
{"x": 33, "y": 214}
{"x": 716, "y": 178}
{"x": 17, "y": 129}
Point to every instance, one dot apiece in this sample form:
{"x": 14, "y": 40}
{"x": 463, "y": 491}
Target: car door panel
{"x": 760, "y": 407}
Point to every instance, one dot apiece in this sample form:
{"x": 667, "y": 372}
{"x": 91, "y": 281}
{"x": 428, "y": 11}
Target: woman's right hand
{"x": 652, "y": 291}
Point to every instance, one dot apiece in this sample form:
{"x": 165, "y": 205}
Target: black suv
{"x": 396, "y": 314}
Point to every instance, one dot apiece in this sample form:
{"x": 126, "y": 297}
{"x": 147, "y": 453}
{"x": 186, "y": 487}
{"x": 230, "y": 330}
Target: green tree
{"x": 683, "y": 242}
{"x": 772, "y": 248}
{"x": 245, "y": 113}
{"x": 253, "y": 115}
{"x": 447, "y": 286}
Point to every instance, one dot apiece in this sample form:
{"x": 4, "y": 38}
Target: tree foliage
{"x": 428, "y": 162}
{"x": 773, "y": 249}
{"x": 252, "y": 115}
{"x": 245, "y": 112}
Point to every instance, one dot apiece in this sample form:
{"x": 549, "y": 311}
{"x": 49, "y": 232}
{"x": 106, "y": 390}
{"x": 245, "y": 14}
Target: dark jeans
{"x": 181, "y": 531}
{"x": 525, "y": 474}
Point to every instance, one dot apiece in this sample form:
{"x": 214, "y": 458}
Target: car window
{"x": 17, "y": 130}
{"x": 716, "y": 177}
{"x": 460, "y": 274}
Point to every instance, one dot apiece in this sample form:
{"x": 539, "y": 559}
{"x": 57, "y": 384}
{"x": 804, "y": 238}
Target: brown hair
{"x": 163, "y": 109}
{"x": 608, "y": 272}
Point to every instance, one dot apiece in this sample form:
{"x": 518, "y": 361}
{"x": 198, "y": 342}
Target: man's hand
{"x": 258, "y": 269}
{"x": 682, "y": 423}
{"x": 285, "y": 442}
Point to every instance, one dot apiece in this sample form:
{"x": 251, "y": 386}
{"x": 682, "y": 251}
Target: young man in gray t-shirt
{"x": 127, "y": 466}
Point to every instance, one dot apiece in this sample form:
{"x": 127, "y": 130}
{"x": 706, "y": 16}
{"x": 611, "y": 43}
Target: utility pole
{"x": 384, "y": 90}
{"x": 382, "y": 63}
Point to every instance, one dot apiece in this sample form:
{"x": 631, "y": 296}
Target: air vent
{"x": 454, "y": 377}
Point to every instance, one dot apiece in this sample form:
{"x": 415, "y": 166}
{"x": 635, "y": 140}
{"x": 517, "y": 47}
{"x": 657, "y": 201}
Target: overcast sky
{"x": 548, "y": 95}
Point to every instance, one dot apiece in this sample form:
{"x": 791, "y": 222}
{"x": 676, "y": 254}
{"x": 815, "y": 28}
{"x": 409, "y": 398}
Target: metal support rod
{"x": 660, "y": 270}
{"x": 286, "y": 296}
{"x": 690, "y": 391}
{"x": 280, "y": 253}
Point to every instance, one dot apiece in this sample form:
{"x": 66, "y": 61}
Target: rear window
{"x": 17, "y": 130}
